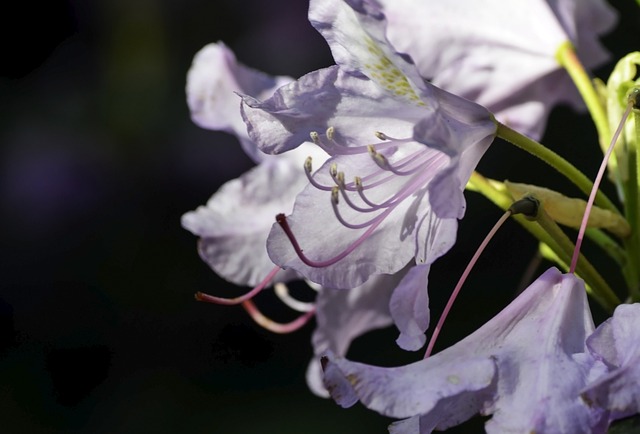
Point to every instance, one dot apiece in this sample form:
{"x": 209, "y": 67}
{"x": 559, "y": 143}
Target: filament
{"x": 596, "y": 185}
{"x": 201, "y": 296}
{"x": 276, "y": 327}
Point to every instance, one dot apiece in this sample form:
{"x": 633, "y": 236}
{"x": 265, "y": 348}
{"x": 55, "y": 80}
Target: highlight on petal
{"x": 501, "y": 55}
{"x": 616, "y": 342}
{"x": 234, "y": 224}
{"x": 212, "y": 82}
{"x": 409, "y": 308}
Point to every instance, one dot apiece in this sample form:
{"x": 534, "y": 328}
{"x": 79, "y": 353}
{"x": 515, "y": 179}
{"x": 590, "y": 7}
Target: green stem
{"x": 600, "y": 290}
{"x": 557, "y": 162}
{"x": 566, "y": 56}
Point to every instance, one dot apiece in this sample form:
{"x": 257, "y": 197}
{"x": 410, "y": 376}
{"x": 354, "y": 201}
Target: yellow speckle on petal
{"x": 453, "y": 379}
{"x": 381, "y": 70}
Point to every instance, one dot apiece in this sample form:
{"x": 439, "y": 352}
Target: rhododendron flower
{"x": 501, "y": 54}
{"x": 235, "y": 223}
{"x": 401, "y": 153}
{"x": 525, "y": 367}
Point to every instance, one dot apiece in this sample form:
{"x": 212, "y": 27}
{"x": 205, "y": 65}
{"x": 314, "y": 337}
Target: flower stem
{"x": 566, "y": 56}
{"x": 557, "y": 162}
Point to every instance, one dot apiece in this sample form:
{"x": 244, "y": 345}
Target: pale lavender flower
{"x": 382, "y": 205}
{"x": 525, "y": 367}
{"x": 616, "y": 343}
{"x": 501, "y": 54}
{"x": 235, "y": 223}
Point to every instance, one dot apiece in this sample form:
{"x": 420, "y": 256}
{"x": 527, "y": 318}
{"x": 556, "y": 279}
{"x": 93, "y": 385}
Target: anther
{"x": 308, "y": 167}
{"x": 340, "y": 179}
{"x": 381, "y": 135}
{"x": 330, "y": 132}
{"x": 315, "y": 138}
{"x": 358, "y": 182}
{"x": 335, "y": 195}
{"x": 333, "y": 170}
{"x": 379, "y": 159}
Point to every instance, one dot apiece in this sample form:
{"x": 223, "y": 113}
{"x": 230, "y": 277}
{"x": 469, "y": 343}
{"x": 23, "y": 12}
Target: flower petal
{"x": 343, "y": 315}
{"x": 617, "y": 343}
{"x": 234, "y": 224}
{"x": 355, "y": 107}
{"x": 535, "y": 345}
{"x": 501, "y": 56}
{"x": 409, "y": 308}
{"x": 212, "y": 81}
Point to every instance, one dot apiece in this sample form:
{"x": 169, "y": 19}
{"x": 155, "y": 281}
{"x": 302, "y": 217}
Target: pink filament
{"x": 200, "y": 296}
{"x": 461, "y": 281}
{"x": 594, "y": 190}
{"x": 273, "y": 326}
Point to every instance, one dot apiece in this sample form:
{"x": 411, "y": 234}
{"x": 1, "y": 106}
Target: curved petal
{"x": 408, "y": 390}
{"x": 234, "y": 224}
{"x": 617, "y": 343}
{"x": 212, "y": 82}
{"x": 409, "y": 308}
{"x": 535, "y": 345}
{"x": 355, "y": 107}
{"x": 499, "y": 55}
{"x": 343, "y": 315}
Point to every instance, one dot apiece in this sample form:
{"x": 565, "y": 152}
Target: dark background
{"x": 99, "y": 331}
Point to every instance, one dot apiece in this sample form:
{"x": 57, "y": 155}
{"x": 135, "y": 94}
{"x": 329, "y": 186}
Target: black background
{"x": 99, "y": 331}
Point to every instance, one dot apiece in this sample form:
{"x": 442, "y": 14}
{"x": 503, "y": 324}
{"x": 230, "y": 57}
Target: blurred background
{"x": 99, "y": 330}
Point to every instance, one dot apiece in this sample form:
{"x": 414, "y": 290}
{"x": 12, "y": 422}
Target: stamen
{"x": 596, "y": 183}
{"x": 281, "y": 219}
{"x": 462, "y": 279}
{"x": 307, "y": 171}
{"x": 335, "y": 148}
{"x": 273, "y": 326}
{"x": 201, "y": 296}
{"x": 282, "y": 291}
{"x": 334, "y": 204}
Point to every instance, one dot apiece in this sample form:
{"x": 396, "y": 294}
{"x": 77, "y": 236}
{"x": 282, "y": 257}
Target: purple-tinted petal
{"x": 386, "y": 250}
{"x": 234, "y": 224}
{"x": 536, "y": 344}
{"x": 409, "y": 390}
{"x": 409, "y": 308}
{"x": 617, "y": 343}
{"x": 212, "y": 81}
{"x": 499, "y": 55}
{"x": 355, "y": 31}
{"x": 355, "y": 107}
{"x": 584, "y": 21}
{"x": 343, "y": 315}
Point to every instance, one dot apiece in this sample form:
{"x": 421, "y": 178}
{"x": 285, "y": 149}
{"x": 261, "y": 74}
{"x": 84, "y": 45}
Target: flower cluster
{"x": 358, "y": 189}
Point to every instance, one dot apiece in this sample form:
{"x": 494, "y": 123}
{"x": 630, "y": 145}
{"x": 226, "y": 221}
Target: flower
{"x": 501, "y": 54}
{"x": 525, "y": 367}
{"x": 616, "y": 344}
{"x": 235, "y": 222}
{"x": 380, "y": 204}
